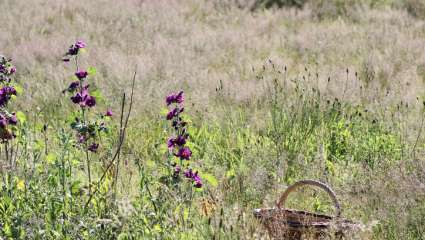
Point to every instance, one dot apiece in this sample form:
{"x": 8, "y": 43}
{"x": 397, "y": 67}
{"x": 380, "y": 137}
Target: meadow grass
{"x": 272, "y": 96}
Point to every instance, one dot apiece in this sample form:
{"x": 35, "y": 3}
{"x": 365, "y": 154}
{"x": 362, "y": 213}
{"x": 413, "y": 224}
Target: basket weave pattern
{"x": 284, "y": 223}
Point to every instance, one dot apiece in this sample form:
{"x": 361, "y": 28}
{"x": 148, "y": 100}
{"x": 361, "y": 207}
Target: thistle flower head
{"x": 184, "y": 153}
{"x": 12, "y": 119}
{"x": 174, "y": 98}
{"x": 109, "y": 113}
{"x": 93, "y": 147}
{"x": 194, "y": 176}
{"x": 5, "y": 94}
{"x": 74, "y": 48}
{"x": 81, "y": 74}
{"x": 90, "y": 101}
{"x": 72, "y": 87}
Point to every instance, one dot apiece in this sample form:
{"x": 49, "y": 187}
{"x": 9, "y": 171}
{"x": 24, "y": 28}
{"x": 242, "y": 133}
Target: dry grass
{"x": 195, "y": 45}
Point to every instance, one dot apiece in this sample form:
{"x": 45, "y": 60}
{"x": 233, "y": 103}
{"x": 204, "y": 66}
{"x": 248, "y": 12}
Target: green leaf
{"x": 75, "y": 187}
{"x": 164, "y": 111}
{"x": 185, "y": 214}
{"x": 91, "y": 70}
{"x": 51, "y": 158}
{"x": 21, "y": 117}
{"x": 230, "y": 173}
{"x": 19, "y": 89}
{"x": 210, "y": 179}
{"x": 98, "y": 95}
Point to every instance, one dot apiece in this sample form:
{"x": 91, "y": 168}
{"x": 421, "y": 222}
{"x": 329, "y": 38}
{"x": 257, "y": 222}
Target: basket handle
{"x": 298, "y": 184}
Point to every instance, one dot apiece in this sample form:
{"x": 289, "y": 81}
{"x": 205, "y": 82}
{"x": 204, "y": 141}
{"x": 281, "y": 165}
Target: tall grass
{"x": 341, "y": 101}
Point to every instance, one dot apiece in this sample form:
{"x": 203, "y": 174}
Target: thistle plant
{"x": 179, "y": 153}
{"x": 87, "y": 130}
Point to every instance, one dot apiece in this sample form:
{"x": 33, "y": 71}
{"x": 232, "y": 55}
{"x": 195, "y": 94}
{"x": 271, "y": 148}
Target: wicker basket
{"x": 284, "y": 223}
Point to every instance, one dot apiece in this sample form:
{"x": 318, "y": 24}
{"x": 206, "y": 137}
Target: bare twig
{"x": 121, "y": 141}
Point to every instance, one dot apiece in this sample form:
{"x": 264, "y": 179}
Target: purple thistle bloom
{"x": 5, "y": 94}
{"x": 171, "y": 114}
{"x": 80, "y": 44}
{"x": 9, "y": 90}
{"x": 197, "y": 179}
{"x": 81, "y": 74}
{"x": 180, "y": 97}
{"x": 73, "y": 86}
{"x": 177, "y": 170}
{"x": 81, "y": 139}
{"x": 180, "y": 141}
{"x": 184, "y": 153}
{"x": 77, "y": 98}
{"x": 198, "y": 183}
{"x": 93, "y": 147}
{"x": 170, "y": 99}
{"x": 194, "y": 177}
{"x": 12, "y": 70}
{"x": 170, "y": 143}
{"x": 72, "y": 51}
{"x": 174, "y": 98}
{"x": 13, "y": 120}
{"x": 108, "y": 113}
{"x": 188, "y": 173}
{"x": 90, "y": 101}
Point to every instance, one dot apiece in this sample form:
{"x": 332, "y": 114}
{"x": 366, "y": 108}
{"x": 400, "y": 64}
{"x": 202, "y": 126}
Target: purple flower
{"x": 170, "y": 99}
{"x": 77, "y": 98}
{"x": 171, "y": 114}
{"x": 180, "y": 97}
{"x": 8, "y": 90}
{"x": 108, "y": 113}
{"x": 12, "y": 119}
{"x": 12, "y": 70}
{"x": 198, "y": 183}
{"x": 170, "y": 142}
{"x": 174, "y": 98}
{"x": 188, "y": 173}
{"x": 5, "y": 94}
{"x": 194, "y": 177}
{"x": 93, "y": 147}
{"x": 81, "y": 139}
{"x": 73, "y": 49}
{"x": 177, "y": 170}
{"x": 73, "y": 86}
{"x": 180, "y": 141}
{"x": 81, "y": 74}
{"x": 80, "y": 44}
{"x": 174, "y": 113}
{"x": 184, "y": 153}
{"x": 90, "y": 101}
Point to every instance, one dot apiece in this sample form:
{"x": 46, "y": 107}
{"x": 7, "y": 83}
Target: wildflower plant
{"x": 179, "y": 153}
{"x": 8, "y": 91}
{"x": 87, "y": 130}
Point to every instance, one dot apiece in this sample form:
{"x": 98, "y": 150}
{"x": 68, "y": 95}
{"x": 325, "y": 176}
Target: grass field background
{"x": 332, "y": 91}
